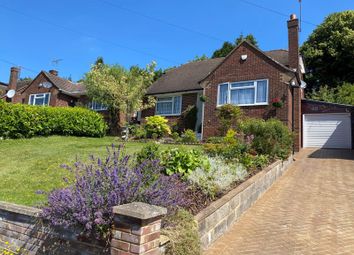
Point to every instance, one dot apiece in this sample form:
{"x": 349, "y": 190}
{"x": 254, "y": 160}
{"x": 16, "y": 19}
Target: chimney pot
{"x": 53, "y": 72}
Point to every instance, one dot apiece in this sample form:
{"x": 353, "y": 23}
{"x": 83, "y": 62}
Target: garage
{"x": 329, "y": 130}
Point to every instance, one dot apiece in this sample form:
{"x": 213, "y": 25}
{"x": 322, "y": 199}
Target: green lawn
{"x": 28, "y": 165}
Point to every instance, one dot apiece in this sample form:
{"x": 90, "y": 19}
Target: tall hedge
{"x": 24, "y": 121}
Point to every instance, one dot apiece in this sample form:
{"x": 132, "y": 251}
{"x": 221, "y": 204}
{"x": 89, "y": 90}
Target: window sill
{"x": 262, "y": 104}
{"x": 168, "y": 115}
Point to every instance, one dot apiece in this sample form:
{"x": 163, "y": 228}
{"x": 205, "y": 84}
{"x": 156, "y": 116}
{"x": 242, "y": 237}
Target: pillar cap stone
{"x": 140, "y": 210}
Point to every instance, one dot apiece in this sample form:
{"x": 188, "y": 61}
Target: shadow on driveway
{"x": 332, "y": 154}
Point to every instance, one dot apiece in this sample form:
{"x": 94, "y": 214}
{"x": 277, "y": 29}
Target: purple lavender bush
{"x": 101, "y": 184}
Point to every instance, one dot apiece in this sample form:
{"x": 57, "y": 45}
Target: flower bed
{"x": 175, "y": 178}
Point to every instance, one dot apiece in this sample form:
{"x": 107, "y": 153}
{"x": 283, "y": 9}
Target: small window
{"x": 243, "y": 93}
{"x": 97, "y": 106}
{"x": 169, "y": 105}
{"x": 39, "y": 99}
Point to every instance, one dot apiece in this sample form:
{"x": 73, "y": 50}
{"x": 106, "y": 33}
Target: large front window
{"x": 39, "y": 99}
{"x": 243, "y": 93}
{"x": 170, "y": 105}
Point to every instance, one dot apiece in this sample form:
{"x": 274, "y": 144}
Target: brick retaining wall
{"x": 21, "y": 227}
{"x": 219, "y": 216}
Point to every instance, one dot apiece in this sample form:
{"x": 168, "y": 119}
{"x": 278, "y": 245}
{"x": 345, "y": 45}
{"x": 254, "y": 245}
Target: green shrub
{"x": 148, "y": 152}
{"x": 215, "y": 139}
{"x": 230, "y": 137}
{"x": 182, "y": 230}
{"x": 230, "y": 116}
{"x": 137, "y": 131}
{"x": 230, "y": 149}
{"x": 188, "y": 136}
{"x": 156, "y": 126}
{"x": 182, "y": 162}
{"x": 218, "y": 177}
{"x": 189, "y": 117}
{"x": 270, "y": 137}
{"x": 175, "y": 137}
{"x": 260, "y": 161}
{"x": 24, "y": 121}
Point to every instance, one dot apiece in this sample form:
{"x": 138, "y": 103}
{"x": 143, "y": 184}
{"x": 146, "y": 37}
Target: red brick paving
{"x": 309, "y": 210}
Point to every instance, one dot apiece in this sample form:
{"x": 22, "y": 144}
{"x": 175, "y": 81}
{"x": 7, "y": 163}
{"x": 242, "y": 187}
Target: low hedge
{"x": 25, "y": 121}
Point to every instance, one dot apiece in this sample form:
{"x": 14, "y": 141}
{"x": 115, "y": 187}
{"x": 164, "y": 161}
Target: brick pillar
{"x": 136, "y": 229}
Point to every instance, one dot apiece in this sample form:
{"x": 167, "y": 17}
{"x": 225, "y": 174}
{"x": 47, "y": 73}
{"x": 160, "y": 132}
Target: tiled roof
{"x": 185, "y": 77}
{"x": 281, "y": 56}
{"x": 66, "y": 85}
{"x": 3, "y": 86}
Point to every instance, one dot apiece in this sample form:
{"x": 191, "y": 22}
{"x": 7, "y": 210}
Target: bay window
{"x": 243, "y": 93}
{"x": 39, "y": 99}
{"x": 170, "y": 105}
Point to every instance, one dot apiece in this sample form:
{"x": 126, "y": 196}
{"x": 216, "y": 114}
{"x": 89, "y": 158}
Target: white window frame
{"x": 97, "y": 109}
{"x": 254, "y": 86}
{"x": 39, "y": 95}
{"x": 173, "y": 105}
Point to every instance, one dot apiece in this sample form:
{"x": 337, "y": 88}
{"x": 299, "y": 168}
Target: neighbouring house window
{"x": 243, "y": 93}
{"x": 169, "y": 105}
{"x": 39, "y": 99}
{"x": 97, "y": 106}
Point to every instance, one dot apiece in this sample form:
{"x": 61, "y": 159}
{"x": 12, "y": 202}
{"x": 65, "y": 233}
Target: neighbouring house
{"x": 248, "y": 77}
{"x": 47, "y": 89}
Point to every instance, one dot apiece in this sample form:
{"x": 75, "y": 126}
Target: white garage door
{"x": 327, "y": 130}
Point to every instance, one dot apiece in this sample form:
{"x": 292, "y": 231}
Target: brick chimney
{"x": 53, "y": 72}
{"x": 293, "y": 37}
{"x": 14, "y": 74}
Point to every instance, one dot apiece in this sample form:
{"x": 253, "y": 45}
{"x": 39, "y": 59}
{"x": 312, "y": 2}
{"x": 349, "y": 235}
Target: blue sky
{"x": 129, "y": 32}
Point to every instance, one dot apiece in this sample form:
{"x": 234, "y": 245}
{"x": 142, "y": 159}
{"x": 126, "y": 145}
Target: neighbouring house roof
{"x": 23, "y": 83}
{"x": 184, "y": 78}
{"x": 3, "y": 86}
{"x": 66, "y": 86}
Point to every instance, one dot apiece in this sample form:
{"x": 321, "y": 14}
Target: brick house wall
{"x": 187, "y": 100}
{"x": 257, "y": 66}
{"x": 56, "y": 98}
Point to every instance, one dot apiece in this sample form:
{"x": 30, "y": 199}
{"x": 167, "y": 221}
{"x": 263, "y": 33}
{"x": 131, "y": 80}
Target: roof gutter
{"x": 175, "y": 92}
{"x": 74, "y": 93}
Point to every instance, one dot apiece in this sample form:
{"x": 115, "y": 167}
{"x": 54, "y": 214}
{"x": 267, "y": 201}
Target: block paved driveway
{"x": 309, "y": 210}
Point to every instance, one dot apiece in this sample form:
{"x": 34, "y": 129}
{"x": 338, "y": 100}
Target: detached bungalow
{"x": 47, "y": 89}
{"x": 252, "y": 79}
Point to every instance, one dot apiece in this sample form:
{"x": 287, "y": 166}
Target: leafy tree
{"x": 29, "y": 79}
{"x": 199, "y": 58}
{"x": 227, "y": 47}
{"x": 343, "y": 94}
{"x": 121, "y": 90}
{"x": 250, "y": 38}
{"x": 159, "y": 73}
{"x": 329, "y": 51}
{"x": 99, "y": 61}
